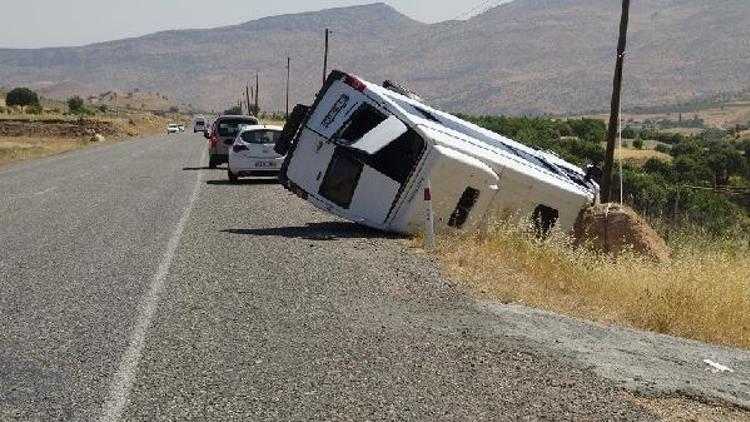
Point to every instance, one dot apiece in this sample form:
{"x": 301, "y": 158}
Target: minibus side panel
{"x": 374, "y": 196}
{"x": 310, "y": 161}
{"x": 450, "y": 173}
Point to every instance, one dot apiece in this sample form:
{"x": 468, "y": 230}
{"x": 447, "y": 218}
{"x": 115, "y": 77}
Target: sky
{"x": 56, "y": 23}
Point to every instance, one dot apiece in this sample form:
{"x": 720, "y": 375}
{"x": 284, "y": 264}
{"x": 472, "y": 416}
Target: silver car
{"x": 223, "y": 133}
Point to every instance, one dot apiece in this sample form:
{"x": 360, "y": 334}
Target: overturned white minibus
{"x": 365, "y": 152}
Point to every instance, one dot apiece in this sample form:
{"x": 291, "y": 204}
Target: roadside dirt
{"x": 55, "y": 128}
{"x": 24, "y": 137}
{"x": 614, "y": 228}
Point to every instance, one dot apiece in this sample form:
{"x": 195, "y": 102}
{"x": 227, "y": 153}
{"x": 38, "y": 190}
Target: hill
{"x": 527, "y": 56}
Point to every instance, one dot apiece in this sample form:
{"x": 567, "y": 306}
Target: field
{"x": 725, "y": 115}
{"x": 701, "y": 294}
{"x": 640, "y": 156}
{"x": 46, "y": 138}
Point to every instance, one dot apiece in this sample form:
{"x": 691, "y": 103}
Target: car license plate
{"x": 265, "y": 164}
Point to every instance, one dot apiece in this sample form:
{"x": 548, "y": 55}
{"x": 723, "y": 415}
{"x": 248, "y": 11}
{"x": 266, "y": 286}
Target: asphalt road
{"x": 137, "y": 285}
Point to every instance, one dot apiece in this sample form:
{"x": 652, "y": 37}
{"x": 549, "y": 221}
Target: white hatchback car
{"x": 252, "y": 153}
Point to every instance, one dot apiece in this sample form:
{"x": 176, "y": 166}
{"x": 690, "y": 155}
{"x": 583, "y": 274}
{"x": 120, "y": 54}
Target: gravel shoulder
{"x": 644, "y": 363}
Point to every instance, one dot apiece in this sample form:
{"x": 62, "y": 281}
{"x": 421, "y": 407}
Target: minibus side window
{"x": 365, "y": 119}
{"x": 397, "y": 159}
{"x": 463, "y": 208}
{"x": 341, "y": 178}
{"x": 544, "y": 219}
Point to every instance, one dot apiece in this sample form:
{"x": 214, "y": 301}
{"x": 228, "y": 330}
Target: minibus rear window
{"x": 341, "y": 178}
{"x": 365, "y": 119}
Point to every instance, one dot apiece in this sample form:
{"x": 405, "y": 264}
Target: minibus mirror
{"x": 383, "y": 134}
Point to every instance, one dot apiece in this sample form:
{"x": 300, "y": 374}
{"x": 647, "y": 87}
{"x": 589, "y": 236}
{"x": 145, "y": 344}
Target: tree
{"x": 75, "y": 104}
{"x": 638, "y": 143}
{"x": 21, "y": 97}
{"x": 233, "y": 111}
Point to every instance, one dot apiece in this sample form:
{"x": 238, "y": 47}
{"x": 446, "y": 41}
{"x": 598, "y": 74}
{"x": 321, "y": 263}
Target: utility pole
{"x": 257, "y": 91}
{"x": 614, "y": 114}
{"x": 288, "y": 75}
{"x": 325, "y": 59}
{"x": 247, "y": 97}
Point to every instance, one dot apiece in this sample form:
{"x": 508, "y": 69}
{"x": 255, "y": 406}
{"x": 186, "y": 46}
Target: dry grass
{"x": 23, "y": 148}
{"x": 703, "y": 294}
{"x": 640, "y": 156}
{"x": 26, "y": 147}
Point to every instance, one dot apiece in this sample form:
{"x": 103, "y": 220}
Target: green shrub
{"x": 664, "y": 149}
{"x": 638, "y": 143}
{"x": 34, "y": 109}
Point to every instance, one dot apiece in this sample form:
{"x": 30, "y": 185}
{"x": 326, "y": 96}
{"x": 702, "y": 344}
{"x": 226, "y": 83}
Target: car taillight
{"x": 213, "y": 139}
{"x": 239, "y": 148}
{"x": 355, "y": 83}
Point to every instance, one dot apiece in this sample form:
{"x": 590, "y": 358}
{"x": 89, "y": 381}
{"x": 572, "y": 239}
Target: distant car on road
{"x": 181, "y": 127}
{"x": 200, "y": 125}
{"x": 173, "y": 128}
{"x": 223, "y": 133}
{"x": 252, "y": 153}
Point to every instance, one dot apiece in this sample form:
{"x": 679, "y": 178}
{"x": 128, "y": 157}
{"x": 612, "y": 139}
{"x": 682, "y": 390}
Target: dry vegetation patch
{"x": 640, "y": 156}
{"x": 22, "y": 148}
{"x": 702, "y": 294}
{"x": 32, "y": 136}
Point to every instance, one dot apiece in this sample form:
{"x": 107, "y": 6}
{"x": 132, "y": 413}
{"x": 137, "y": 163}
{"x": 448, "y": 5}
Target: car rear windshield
{"x": 231, "y": 127}
{"x": 261, "y": 136}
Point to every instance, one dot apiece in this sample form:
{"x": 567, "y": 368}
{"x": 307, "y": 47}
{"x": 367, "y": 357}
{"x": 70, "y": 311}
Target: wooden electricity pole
{"x": 288, "y": 75}
{"x": 325, "y": 59}
{"x": 614, "y": 115}
{"x": 257, "y": 90}
{"x": 247, "y": 97}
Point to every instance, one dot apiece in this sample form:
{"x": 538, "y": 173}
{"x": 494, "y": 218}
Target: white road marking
{"x": 46, "y": 191}
{"x": 123, "y": 379}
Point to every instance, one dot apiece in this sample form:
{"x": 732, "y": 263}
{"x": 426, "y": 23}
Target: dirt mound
{"x": 614, "y": 228}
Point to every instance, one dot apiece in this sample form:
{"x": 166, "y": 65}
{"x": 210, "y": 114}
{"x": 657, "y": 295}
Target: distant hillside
{"x": 528, "y": 56}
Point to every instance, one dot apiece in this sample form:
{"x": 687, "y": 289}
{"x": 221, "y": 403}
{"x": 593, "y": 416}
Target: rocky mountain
{"x": 527, "y": 56}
